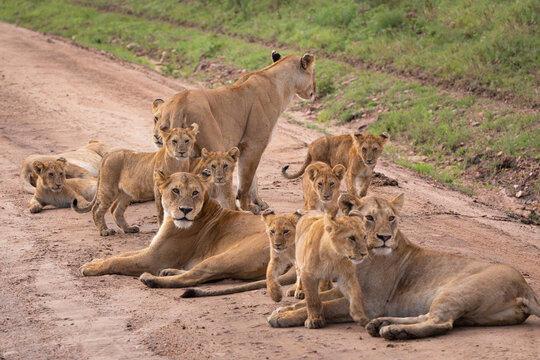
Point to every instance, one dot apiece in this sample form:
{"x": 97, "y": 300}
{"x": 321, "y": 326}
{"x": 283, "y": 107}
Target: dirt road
{"x": 56, "y": 97}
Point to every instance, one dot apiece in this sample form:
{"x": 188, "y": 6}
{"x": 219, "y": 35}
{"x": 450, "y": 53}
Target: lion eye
{"x": 285, "y": 232}
{"x": 155, "y": 119}
{"x": 214, "y": 167}
{"x": 51, "y": 174}
{"x": 225, "y": 166}
{"x": 272, "y": 232}
{"x": 375, "y": 149}
{"x": 352, "y": 238}
{"x": 187, "y": 141}
{"x": 61, "y": 174}
{"x": 391, "y": 218}
{"x": 319, "y": 185}
{"x": 195, "y": 193}
{"x": 176, "y": 191}
{"x": 369, "y": 218}
{"x": 364, "y": 150}
{"x": 332, "y": 184}
{"x": 175, "y": 142}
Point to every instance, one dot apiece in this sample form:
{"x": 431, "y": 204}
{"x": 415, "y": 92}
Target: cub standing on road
{"x": 321, "y": 187}
{"x": 359, "y": 153}
{"x": 126, "y": 176}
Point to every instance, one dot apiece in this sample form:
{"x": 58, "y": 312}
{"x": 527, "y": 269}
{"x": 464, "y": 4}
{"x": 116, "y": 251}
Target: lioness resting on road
{"x": 81, "y": 163}
{"x": 411, "y": 292}
{"x": 359, "y": 153}
{"x": 321, "y": 187}
{"x": 242, "y": 115}
{"x": 221, "y": 165}
{"x": 126, "y": 176}
{"x": 199, "y": 241}
{"x": 327, "y": 249}
{"x": 53, "y": 188}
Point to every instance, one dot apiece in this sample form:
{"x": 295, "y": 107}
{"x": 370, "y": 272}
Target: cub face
{"x": 369, "y": 147}
{"x": 380, "y": 219}
{"x": 325, "y": 181}
{"x": 281, "y": 229}
{"x": 179, "y": 142}
{"x": 348, "y": 237}
{"x": 51, "y": 174}
{"x": 182, "y": 196}
{"x": 221, "y": 164}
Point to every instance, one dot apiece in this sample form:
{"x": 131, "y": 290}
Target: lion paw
{"x": 394, "y": 332}
{"x": 35, "y": 209}
{"x": 291, "y": 291}
{"x": 92, "y": 268}
{"x": 374, "y": 326}
{"x": 171, "y": 272}
{"x": 254, "y": 209}
{"x": 148, "y": 280}
{"x": 107, "y": 232}
{"x": 276, "y": 320}
{"x": 299, "y": 294}
{"x": 262, "y": 204}
{"x": 131, "y": 229}
{"x": 315, "y": 323}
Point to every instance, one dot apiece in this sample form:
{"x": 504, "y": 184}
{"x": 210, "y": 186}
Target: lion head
{"x": 281, "y": 229}
{"x": 347, "y": 236}
{"x": 182, "y": 195}
{"x": 369, "y": 147}
{"x": 179, "y": 142}
{"x": 380, "y": 219}
{"x": 52, "y": 175}
{"x": 305, "y": 79}
{"x": 325, "y": 180}
{"x": 220, "y": 164}
{"x": 159, "y": 124}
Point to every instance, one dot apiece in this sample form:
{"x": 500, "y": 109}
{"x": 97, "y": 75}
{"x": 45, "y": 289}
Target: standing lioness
{"x": 242, "y": 115}
{"x": 410, "y": 291}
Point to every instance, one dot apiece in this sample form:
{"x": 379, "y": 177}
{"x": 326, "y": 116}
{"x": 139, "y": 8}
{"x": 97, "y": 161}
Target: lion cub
{"x": 126, "y": 176}
{"x": 321, "y": 187}
{"x": 221, "y": 165}
{"x": 328, "y": 248}
{"x": 52, "y": 187}
{"x": 359, "y": 153}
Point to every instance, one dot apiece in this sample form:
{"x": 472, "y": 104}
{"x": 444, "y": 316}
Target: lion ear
{"x": 384, "y": 137}
{"x": 234, "y": 153}
{"x": 160, "y": 179}
{"x": 165, "y": 132}
{"x": 347, "y": 202}
{"x": 295, "y": 216}
{"x": 306, "y": 61}
{"x": 195, "y": 129}
{"x": 62, "y": 160}
{"x": 156, "y": 104}
{"x": 339, "y": 170}
{"x": 312, "y": 172}
{"x": 397, "y": 203}
{"x": 275, "y": 56}
{"x": 38, "y": 166}
{"x": 267, "y": 214}
{"x": 329, "y": 223}
{"x": 204, "y": 153}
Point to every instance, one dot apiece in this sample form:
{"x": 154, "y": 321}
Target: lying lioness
{"x": 53, "y": 188}
{"x": 410, "y": 291}
{"x": 357, "y": 152}
{"x": 126, "y": 176}
{"x": 199, "y": 241}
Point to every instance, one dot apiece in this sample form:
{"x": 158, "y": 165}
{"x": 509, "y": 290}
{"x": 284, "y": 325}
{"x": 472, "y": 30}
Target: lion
{"x": 221, "y": 165}
{"x": 330, "y": 248}
{"x": 126, "y": 176}
{"x": 414, "y": 292}
{"x": 81, "y": 163}
{"x": 358, "y": 153}
{"x": 199, "y": 241}
{"x": 243, "y": 115}
{"x": 321, "y": 187}
{"x": 53, "y": 188}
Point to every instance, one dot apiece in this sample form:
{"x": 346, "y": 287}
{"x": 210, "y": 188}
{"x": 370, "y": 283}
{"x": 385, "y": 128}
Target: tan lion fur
{"x": 321, "y": 187}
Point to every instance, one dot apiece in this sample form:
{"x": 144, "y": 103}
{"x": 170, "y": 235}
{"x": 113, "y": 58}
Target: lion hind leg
{"x": 429, "y": 327}
{"x": 118, "y": 210}
{"x": 335, "y": 311}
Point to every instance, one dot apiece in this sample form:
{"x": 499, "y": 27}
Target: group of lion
{"x": 355, "y": 267}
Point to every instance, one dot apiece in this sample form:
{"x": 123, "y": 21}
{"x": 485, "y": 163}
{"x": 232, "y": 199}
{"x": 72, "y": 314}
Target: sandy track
{"x": 48, "y": 311}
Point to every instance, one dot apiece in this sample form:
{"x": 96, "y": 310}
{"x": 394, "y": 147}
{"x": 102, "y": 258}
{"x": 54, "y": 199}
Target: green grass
{"x": 448, "y": 129}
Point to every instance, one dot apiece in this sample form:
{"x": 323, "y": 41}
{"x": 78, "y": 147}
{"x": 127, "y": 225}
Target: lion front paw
{"x": 394, "y": 332}
{"x": 278, "y": 320}
{"x": 374, "y": 326}
{"x": 148, "y": 280}
{"x": 299, "y": 294}
{"x": 171, "y": 272}
{"x": 254, "y": 209}
{"x": 92, "y": 268}
{"x": 262, "y": 204}
{"x": 361, "y": 319}
{"x": 315, "y": 323}
{"x": 35, "y": 209}
{"x": 131, "y": 229}
{"x": 107, "y": 232}
{"x": 291, "y": 291}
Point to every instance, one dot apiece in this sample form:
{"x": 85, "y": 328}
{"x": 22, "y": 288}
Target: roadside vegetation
{"x": 457, "y": 137}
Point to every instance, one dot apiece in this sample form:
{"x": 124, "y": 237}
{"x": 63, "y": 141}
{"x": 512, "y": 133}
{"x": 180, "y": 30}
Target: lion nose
{"x": 383, "y": 238}
{"x": 156, "y": 136}
{"x": 185, "y": 210}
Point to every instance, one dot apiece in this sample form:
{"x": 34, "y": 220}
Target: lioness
{"x": 242, "y": 115}
{"x": 53, "y": 188}
{"x": 221, "y": 165}
{"x": 330, "y": 248}
{"x": 126, "y": 176}
{"x": 199, "y": 241}
{"x": 81, "y": 163}
{"x": 359, "y": 153}
{"x": 410, "y": 291}
{"x": 321, "y": 187}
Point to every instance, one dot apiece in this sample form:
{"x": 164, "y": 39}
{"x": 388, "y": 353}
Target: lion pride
{"x": 413, "y": 292}
{"x": 242, "y": 115}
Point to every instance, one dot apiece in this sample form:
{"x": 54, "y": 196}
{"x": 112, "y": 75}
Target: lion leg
{"x": 335, "y": 311}
{"x": 332, "y": 294}
{"x": 254, "y": 194}
{"x": 35, "y": 205}
{"x": 315, "y": 319}
{"x": 276, "y": 266}
{"x": 363, "y": 184}
{"x": 106, "y": 198}
{"x": 122, "y": 202}
{"x": 246, "y": 175}
{"x": 124, "y": 264}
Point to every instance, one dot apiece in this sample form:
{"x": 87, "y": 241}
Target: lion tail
{"x": 532, "y": 302}
{"x": 299, "y": 172}
{"x": 25, "y": 180}
{"x": 89, "y": 205}
{"x": 287, "y": 278}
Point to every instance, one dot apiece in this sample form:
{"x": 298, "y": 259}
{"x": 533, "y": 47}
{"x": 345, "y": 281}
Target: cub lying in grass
{"x": 52, "y": 187}
{"x": 329, "y": 248}
{"x": 321, "y": 187}
{"x": 126, "y": 176}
